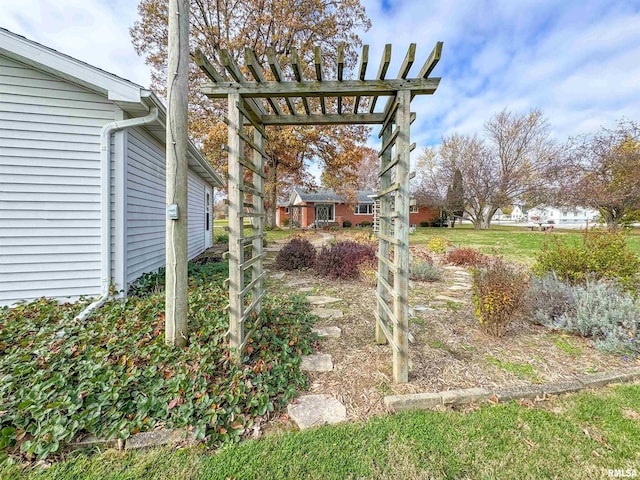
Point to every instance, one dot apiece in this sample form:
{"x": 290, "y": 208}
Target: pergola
{"x": 248, "y": 117}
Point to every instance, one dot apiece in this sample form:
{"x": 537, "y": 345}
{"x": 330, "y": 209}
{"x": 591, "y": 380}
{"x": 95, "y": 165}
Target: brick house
{"x": 335, "y": 210}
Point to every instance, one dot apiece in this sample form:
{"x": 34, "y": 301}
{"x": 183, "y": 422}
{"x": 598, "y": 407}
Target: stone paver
{"x": 273, "y": 249}
{"x": 422, "y": 308}
{"x": 296, "y": 283}
{"x": 459, "y": 288}
{"x": 156, "y": 438}
{"x": 319, "y": 362}
{"x": 320, "y": 300}
{"x": 327, "y": 312}
{"x": 327, "y": 332}
{"x": 306, "y": 289}
{"x": 449, "y": 298}
{"x": 277, "y": 276}
{"x": 313, "y": 410}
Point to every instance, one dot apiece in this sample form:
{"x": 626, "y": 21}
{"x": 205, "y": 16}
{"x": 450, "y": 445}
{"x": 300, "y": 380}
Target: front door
{"x": 208, "y": 218}
{"x": 324, "y": 214}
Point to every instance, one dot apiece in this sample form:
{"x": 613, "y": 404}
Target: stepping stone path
{"x": 306, "y": 289}
{"x": 448, "y": 298}
{"x": 459, "y": 287}
{"x": 318, "y": 362}
{"x": 277, "y": 276}
{"x": 328, "y": 312}
{"x": 313, "y": 410}
{"x": 327, "y": 332}
{"x": 319, "y": 300}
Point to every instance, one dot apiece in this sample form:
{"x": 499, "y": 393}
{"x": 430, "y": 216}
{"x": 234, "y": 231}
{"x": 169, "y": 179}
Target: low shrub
{"x": 499, "y": 289}
{"x": 467, "y": 257}
{"x": 296, "y": 255}
{"x": 343, "y": 259}
{"x": 598, "y": 309}
{"x": 346, "y": 224}
{"x": 221, "y": 237}
{"x": 286, "y": 222}
{"x": 424, "y": 271}
{"x": 366, "y": 238}
{"x": 419, "y": 252}
{"x": 206, "y": 270}
{"x": 600, "y": 254}
{"x": 438, "y": 244}
{"x": 365, "y": 224}
{"x": 548, "y": 299}
{"x": 424, "y": 224}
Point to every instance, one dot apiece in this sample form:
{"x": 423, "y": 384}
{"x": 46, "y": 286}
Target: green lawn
{"x": 578, "y": 436}
{"x": 516, "y": 243}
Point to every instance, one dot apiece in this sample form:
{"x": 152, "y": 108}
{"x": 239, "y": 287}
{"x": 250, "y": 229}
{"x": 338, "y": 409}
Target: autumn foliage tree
{"x": 603, "y": 172}
{"x": 282, "y": 25}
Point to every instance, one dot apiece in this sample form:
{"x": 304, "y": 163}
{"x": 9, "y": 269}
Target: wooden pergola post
{"x": 246, "y": 198}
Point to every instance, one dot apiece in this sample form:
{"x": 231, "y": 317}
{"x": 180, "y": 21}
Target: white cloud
{"x": 94, "y": 31}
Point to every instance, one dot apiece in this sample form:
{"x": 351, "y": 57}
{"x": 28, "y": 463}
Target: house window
{"x": 413, "y": 209}
{"x": 286, "y": 210}
{"x": 364, "y": 209}
{"x": 324, "y": 213}
{"x": 564, "y": 214}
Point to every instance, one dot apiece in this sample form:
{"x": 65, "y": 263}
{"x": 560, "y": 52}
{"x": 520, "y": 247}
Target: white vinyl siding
{"x": 145, "y": 205}
{"x": 196, "y": 211}
{"x": 49, "y": 185}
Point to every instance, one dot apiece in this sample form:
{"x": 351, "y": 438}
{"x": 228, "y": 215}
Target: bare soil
{"x": 448, "y": 350}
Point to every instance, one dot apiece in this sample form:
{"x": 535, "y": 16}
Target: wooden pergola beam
{"x": 297, "y": 72}
{"x": 328, "y": 119}
{"x": 364, "y": 61}
{"x": 382, "y": 72}
{"x": 256, "y": 70}
{"x": 340, "y": 72}
{"x": 418, "y": 86}
{"x": 317, "y": 54}
{"x": 277, "y": 74}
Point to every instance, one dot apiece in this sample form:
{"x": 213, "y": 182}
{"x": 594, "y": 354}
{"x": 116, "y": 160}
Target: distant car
{"x": 542, "y": 225}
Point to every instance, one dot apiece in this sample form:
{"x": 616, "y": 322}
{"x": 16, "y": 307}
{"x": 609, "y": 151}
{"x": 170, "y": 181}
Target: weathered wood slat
{"x": 205, "y": 65}
{"x": 251, "y": 238}
{"x": 250, "y": 191}
{"x": 390, "y": 215}
{"x": 386, "y": 238}
{"x": 364, "y": 61}
{"x": 432, "y": 61}
{"x": 252, "y": 215}
{"x": 408, "y": 61}
{"x": 382, "y": 72}
{"x": 390, "y": 110}
{"x": 424, "y": 86}
{"x": 256, "y": 70}
{"x": 230, "y": 65}
{"x": 385, "y": 330}
{"x": 249, "y": 166}
{"x": 251, "y": 308}
{"x": 389, "y": 143}
{"x": 248, "y": 263}
{"x": 317, "y": 54}
{"x": 297, "y": 72}
{"x": 388, "y": 263}
{"x": 277, "y": 74}
{"x": 251, "y": 284}
{"x": 340, "y": 72}
{"x": 255, "y": 147}
{"x": 328, "y": 119}
{"x": 388, "y": 167}
{"x": 254, "y": 119}
{"x": 386, "y": 308}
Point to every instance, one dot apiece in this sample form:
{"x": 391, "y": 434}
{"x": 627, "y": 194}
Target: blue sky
{"x": 577, "y": 60}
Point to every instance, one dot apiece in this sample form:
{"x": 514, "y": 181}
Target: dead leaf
{"x": 630, "y": 414}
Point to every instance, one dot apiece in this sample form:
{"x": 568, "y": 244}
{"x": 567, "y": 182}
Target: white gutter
{"x": 105, "y": 191}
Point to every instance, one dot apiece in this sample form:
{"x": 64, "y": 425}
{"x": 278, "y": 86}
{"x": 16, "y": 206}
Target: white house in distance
{"x": 82, "y": 177}
{"x": 559, "y": 216}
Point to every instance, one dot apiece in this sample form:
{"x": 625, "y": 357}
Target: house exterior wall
{"x": 49, "y": 185}
{"x": 344, "y": 212}
{"x": 145, "y": 206}
{"x": 281, "y": 216}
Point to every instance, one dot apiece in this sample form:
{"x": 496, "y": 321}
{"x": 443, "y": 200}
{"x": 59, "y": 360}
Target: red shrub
{"x": 467, "y": 257}
{"x": 295, "y": 255}
{"x": 342, "y": 259}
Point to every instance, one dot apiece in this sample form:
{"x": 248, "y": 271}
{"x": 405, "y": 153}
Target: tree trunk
{"x": 271, "y": 192}
{"x": 486, "y": 222}
{"x": 611, "y": 219}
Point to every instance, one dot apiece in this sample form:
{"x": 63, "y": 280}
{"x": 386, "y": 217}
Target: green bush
{"x": 113, "y": 375}
{"x": 600, "y": 254}
{"x": 221, "y": 237}
{"x": 286, "y": 222}
{"x": 499, "y": 290}
{"x": 598, "y": 309}
{"x": 365, "y": 224}
{"x": 424, "y": 271}
{"x": 346, "y": 224}
{"x": 424, "y": 224}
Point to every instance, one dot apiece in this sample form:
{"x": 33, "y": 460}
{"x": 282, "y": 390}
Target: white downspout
{"x": 105, "y": 191}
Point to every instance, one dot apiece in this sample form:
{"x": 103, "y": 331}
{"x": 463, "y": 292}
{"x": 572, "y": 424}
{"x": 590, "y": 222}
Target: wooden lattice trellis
{"x": 246, "y": 175}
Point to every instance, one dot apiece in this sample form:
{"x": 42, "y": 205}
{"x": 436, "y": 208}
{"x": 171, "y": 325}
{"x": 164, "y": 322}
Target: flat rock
{"x": 272, "y": 249}
{"x": 314, "y": 410}
{"x": 277, "y": 276}
{"x": 459, "y": 288}
{"x": 422, "y": 308}
{"x": 156, "y": 438}
{"x": 448, "y": 298}
{"x": 91, "y": 441}
{"x": 319, "y": 362}
{"x": 327, "y": 312}
{"x": 306, "y": 289}
{"x": 320, "y": 300}
{"x": 462, "y": 273}
{"x": 295, "y": 283}
{"x": 327, "y": 332}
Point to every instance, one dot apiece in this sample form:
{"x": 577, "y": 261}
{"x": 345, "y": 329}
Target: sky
{"x": 576, "y": 60}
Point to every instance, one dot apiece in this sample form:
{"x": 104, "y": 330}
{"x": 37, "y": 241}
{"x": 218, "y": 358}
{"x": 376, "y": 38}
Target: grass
{"x": 523, "y": 371}
{"x": 578, "y": 436}
{"x": 566, "y": 347}
{"x": 515, "y": 243}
